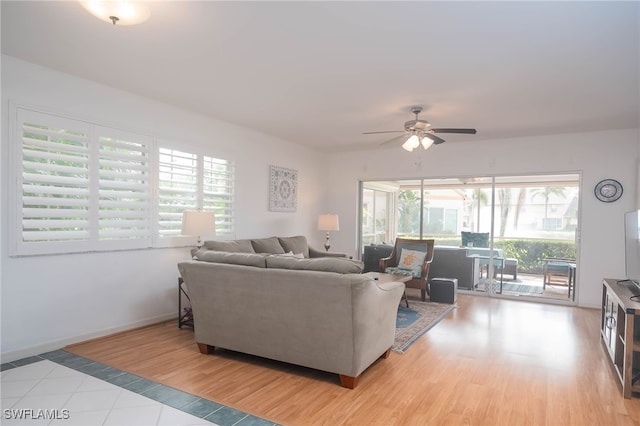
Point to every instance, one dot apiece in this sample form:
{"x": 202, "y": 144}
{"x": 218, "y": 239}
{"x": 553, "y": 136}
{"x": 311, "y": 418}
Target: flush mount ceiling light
{"x": 119, "y": 12}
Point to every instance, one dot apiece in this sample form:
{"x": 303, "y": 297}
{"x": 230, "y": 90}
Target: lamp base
{"x": 327, "y": 245}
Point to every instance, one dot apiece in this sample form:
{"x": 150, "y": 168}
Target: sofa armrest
{"x": 375, "y": 309}
{"x": 318, "y": 253}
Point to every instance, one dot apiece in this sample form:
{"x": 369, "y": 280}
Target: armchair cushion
{"x": 412, "y": 260}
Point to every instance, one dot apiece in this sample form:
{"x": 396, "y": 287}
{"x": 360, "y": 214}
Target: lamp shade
{"x": 426, "y": 142}
{"x": 198, "y": 223}
{"x": 328, "y": 222}
{"x": 412, "y": 143}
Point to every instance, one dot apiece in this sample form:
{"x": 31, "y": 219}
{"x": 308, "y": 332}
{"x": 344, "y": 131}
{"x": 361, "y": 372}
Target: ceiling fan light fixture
{"x": 412, "y": 143}
{"x": 119, "y": 12}
{"x": 426, "y": 142}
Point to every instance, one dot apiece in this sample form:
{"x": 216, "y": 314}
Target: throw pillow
{"x": 296, "y": 244}
{"x": 267, "y": 245}
{"x": 412, "y": 260}
{"x": 233, "y": 246}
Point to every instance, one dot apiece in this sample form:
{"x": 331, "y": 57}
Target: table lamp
{"x": 198, "y": 223}
{"x": 328, "y": 222}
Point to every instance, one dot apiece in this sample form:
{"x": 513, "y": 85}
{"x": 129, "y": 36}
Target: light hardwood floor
{"x": 490, "y": 362}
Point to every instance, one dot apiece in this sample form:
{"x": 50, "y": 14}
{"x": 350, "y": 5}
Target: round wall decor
{"x": 608, "y": 190}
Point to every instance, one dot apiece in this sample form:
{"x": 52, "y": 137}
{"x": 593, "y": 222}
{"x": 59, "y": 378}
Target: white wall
{"x": 597, "y": 155}
{"x": 50, "y": 301}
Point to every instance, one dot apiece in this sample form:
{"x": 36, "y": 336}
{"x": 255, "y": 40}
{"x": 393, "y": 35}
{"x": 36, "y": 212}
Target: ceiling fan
{"x": 420, "y": 132}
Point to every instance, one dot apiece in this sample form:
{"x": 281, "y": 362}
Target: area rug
{"x": 522, "y": 288}
{"x": 417, "y": 319}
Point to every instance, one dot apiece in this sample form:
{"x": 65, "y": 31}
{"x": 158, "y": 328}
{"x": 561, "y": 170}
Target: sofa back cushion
{"x": 339, "y": 265}
{"x": 247, "y": 259}
{"x": 474, "y": 239}
{"x": 267, "y": 245}
{"x": 234, "y": 246}
{"x": 296, "y": 244}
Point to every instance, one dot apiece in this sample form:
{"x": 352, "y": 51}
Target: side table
{"x": 384, "y": 278}
{"x": 186, "y": 317}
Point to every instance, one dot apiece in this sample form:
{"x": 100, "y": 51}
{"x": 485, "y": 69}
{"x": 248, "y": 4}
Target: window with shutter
{"x": 54, "y": 198}
{"x": 123, "y": 193}
{"x": 190, "y": 182}
{"x": 82, "y": 186}
{"x": 217, "y": 192}
{"x": 178, "y": 188}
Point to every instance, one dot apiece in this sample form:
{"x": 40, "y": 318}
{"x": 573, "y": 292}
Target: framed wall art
{"x": 283, "y": 189}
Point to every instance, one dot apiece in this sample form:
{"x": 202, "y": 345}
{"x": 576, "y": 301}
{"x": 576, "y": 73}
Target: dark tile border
{"x": 203, "y": 408}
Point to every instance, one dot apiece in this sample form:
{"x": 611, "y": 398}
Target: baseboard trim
{"x": 61, "y": 343}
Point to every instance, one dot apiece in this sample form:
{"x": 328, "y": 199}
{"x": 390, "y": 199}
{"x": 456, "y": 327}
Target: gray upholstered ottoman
{"x": 443, "y": 290}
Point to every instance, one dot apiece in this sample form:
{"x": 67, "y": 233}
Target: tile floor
{"x": 60, "y": 388}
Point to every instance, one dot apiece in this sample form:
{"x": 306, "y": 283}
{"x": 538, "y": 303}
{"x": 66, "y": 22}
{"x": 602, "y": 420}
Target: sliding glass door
{"x": 518, "y": 233}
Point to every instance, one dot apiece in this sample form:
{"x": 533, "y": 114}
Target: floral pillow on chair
{"x": 412, "y": 260}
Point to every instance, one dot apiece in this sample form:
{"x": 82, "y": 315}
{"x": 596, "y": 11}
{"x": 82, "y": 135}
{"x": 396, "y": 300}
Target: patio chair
{"x": 409, "y": 263}
{"x": 558, "y": 272}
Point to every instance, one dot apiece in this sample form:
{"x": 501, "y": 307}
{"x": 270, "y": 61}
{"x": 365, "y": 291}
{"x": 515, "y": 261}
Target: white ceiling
{"x": 322, "y": 73}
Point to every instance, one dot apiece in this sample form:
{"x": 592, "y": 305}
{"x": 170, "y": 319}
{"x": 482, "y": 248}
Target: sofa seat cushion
{"x": 267, "y": 245}
{"x": 247, "y": 259}
{"x": 234, "y": 246}
{"x": 339, "y": 265}
{"x": 297, "y": 244}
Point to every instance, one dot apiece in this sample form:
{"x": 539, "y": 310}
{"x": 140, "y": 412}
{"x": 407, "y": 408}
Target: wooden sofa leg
{"x": 348, "y": 381}
{"x": 206, "y": 349}
{"x": 386, "y": 354}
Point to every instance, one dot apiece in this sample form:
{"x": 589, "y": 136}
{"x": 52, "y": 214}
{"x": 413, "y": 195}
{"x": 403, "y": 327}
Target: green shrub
{"x": 530, "y": 254}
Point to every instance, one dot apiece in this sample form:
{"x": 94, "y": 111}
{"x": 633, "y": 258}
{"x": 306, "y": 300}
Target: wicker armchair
{"x": 417, "y": 245}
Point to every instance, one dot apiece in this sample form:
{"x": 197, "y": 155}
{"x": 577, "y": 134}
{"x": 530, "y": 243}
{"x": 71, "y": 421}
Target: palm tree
{"x": 522, "y": 196}
{"x": 504, "y": 196}
{"x": 546, "y": 192}
{"x": 408, "y": 212}
{"x": 479, "y": 197}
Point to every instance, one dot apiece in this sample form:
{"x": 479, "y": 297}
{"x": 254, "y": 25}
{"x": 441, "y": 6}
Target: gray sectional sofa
{"x": 317, "y": 312}
{"x": 449, "y": 262}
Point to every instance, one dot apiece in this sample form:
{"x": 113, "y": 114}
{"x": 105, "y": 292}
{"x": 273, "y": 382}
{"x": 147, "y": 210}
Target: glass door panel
{"x": 509, "y": 235}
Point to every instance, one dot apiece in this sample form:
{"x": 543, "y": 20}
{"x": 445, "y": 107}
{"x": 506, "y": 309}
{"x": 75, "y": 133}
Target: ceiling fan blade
{"x": 466, "y": 131}
{"x": 392, "y": 141}
{"x": 436, "y": 140}
{"x": 386, "y": 131}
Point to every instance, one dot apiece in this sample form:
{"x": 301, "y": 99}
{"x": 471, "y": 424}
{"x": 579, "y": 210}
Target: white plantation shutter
{"x": 178, "y": 189}
{"x": 218, "y": 192}
{"x": 123, "y": 194}
{"x": 80, "y": 186}
{"x": 54, "y": 199}
{"x": 190, "y": 181}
